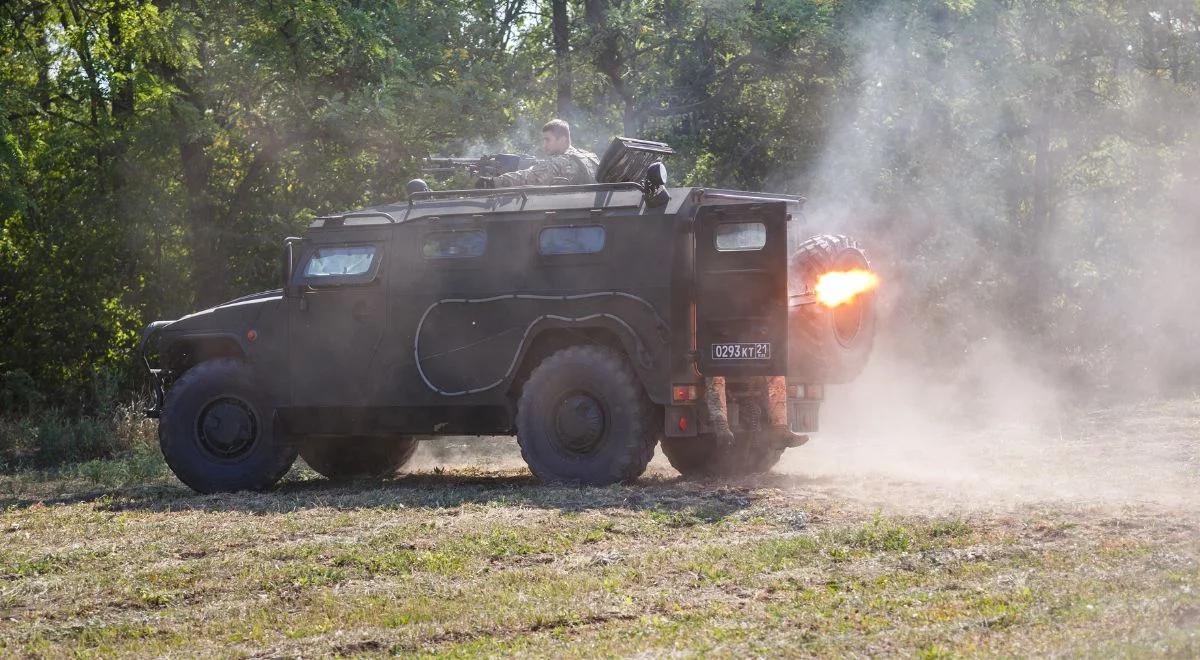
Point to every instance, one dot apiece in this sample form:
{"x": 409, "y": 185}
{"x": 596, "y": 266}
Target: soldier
{"x": 566, "y": 164}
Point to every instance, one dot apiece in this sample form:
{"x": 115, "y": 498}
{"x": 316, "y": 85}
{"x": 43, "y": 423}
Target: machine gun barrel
{"x": 448, "y": 164}
{"x": 489, "y": 165}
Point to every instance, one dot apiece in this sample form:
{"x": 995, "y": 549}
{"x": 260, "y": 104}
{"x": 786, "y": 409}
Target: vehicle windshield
{"x": 340, "y": 260}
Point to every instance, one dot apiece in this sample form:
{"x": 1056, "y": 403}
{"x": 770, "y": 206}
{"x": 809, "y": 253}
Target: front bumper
{"x": 149, "y": 333}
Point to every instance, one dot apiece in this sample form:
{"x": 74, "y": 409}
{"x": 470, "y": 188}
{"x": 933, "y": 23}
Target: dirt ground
{"x": 889, "y": 534}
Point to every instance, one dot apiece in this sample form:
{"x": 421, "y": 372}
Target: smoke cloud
{"x": 1028, "y": 187}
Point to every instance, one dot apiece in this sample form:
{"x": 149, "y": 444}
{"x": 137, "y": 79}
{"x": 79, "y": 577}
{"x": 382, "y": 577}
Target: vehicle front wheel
{"x": 217, "y": 430}
{"x": 705, "y": 456}
{"x": 583, "y": 417}
{"x": 341, "y": 459}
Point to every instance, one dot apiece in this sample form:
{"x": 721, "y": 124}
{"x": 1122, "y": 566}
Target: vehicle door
{"x": 741, "y": 289}
{"x": 337, "y": 320}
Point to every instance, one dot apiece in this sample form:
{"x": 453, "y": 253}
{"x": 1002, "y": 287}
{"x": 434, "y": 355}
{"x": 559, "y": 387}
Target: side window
{"x": 740, "y": 236}
{"x": 454, "y": 244}
{"x": 571, "y": 240}
{"x": 339, "y": 264}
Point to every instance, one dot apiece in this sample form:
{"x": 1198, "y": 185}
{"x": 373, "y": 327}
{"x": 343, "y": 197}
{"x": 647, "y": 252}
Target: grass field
{"x": 474, "y": 558}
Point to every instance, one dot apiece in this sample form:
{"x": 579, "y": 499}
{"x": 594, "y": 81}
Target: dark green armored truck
{"x": 591, "y": 321}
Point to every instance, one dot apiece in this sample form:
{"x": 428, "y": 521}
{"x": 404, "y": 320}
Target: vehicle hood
{"x": 232, "y": 313}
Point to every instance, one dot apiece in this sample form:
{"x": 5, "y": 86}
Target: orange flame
{"x": 840, "y": 287}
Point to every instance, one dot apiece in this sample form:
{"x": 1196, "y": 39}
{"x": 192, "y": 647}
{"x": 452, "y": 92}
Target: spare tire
{"x": 828, "y": 345}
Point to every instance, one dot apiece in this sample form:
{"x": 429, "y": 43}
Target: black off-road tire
{"x": 217, "y": 430}
{"x": 832, "y": 345}
{"x": 583, "y": 417}
{"x": 343, "y": 459}
{"x": 706, "y": 457}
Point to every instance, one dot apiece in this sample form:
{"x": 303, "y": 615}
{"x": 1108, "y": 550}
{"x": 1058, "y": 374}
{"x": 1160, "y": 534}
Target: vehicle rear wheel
{"x": 705, "y": 456}
{"x": 834, "y": 343}
{"x": 583, "y": 417}
{"x": 217, "y": 430}
{"x": 367, "y": 457}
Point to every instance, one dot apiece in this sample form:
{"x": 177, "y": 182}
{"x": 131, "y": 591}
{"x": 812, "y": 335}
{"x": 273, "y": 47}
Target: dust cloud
{"x": 995, "y": 439}
{"x": 467, "y": 452}
{"x": 1039, "y": 324}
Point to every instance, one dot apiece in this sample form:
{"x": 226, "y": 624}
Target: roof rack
{"x": 523, "y": 191}
{"x": 340, "y": 218}
{"x": 711, "y": 193}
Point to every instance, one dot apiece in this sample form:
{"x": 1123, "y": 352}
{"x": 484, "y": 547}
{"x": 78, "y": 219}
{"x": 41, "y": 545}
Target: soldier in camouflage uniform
{"x": 565, "y": 165}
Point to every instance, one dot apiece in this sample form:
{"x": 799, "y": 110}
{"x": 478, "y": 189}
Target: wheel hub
{"x": 847, "y": 320}
{"x": 579, "y": 421}
{"x": 227, "y": 428}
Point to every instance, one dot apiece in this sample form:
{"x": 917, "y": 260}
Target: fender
{"x": 208, "y": 338}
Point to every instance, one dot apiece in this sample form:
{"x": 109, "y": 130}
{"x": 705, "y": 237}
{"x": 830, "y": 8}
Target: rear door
{"x": 337, "y": 322}
{"x": 741, "y": 289}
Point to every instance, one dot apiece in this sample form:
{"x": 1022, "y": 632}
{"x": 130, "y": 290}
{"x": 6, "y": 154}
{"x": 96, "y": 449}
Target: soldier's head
{"x": 556, "y": 137}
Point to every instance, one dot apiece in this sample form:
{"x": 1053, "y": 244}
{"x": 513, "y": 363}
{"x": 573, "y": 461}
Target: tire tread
{"x": 639, "y": 443}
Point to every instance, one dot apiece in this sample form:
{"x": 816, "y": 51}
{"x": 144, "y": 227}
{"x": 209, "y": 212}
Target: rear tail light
{"x": 684, "y": 394}
{"x": 815, "y": 392}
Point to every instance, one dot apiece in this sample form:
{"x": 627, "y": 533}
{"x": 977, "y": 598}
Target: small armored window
{"x": 455, "y": 244}
{"x": 340, "y": 261}
{"x": 571, "y": 240}
{"x": 741, "y": 236}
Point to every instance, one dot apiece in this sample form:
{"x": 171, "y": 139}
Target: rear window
{"x": 455, "y": 244}
{"x": 740, "y": 236}
{"x": 571, "y": 240}
{"x": 340, "y": 261}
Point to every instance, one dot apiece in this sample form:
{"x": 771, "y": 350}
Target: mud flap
{"x": 783, "y": 434}
{"x": 681, "y": 421}
{"x": 717, "y": 405}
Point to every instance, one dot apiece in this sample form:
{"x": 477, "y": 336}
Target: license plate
{"x": 756, "y": 351}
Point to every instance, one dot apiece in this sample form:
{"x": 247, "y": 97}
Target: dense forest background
{"x": 1026, "y": 173}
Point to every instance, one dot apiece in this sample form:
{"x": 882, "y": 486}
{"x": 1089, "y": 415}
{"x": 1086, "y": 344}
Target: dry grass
{"x": 464, "y": 562}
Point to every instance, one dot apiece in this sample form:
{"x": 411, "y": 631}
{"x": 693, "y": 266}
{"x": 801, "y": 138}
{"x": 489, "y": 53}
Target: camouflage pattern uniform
{"x": 575, "y": 165}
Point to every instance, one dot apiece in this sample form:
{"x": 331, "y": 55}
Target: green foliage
{"x": 18, "y": 392}
{"x": 152, "y": 155}
{"x": 881, "y": 535}
{"x": 50, "y": 437}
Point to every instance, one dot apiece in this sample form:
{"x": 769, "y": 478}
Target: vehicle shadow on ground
{"x": 709, "y": 501}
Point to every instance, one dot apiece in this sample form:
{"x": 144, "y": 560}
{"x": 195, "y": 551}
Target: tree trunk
{"x": 610, "y": 61}
{"x": 561, "y": 29}
{"x": 1042, "y": 206}
{"x": 203, "y": 222}
{"x": 43, "y": 58}
{"x": 122, "y": 87}
{"x": 84, "y": 51}
{"x": 208, "y": 275}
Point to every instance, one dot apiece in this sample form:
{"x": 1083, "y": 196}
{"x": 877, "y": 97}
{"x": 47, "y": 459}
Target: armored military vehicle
{"x": 588, "y": 320}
